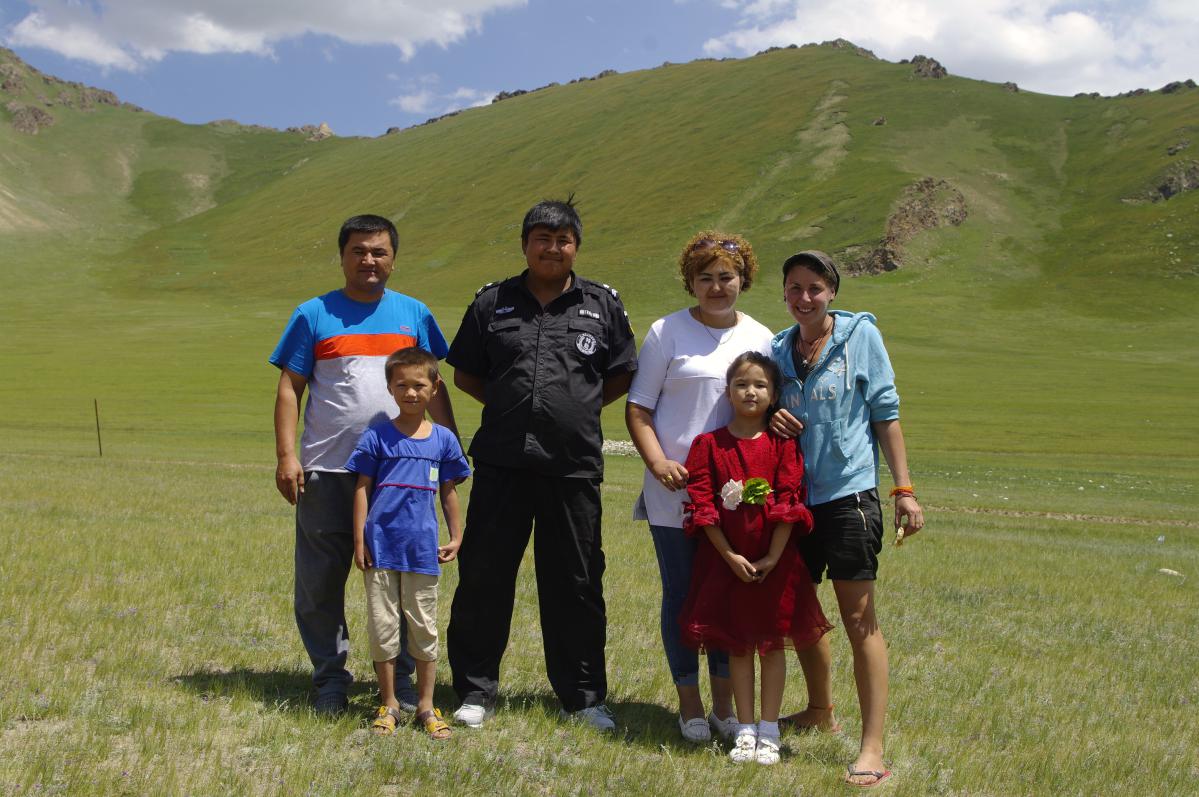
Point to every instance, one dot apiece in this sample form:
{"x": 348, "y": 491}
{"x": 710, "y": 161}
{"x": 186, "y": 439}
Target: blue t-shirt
{"x": 401, "y": 524}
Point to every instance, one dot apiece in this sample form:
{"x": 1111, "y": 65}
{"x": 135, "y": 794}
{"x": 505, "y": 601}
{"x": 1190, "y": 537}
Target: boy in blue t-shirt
{"x": 401, "y": 464}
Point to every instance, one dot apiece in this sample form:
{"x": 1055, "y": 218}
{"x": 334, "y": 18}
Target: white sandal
{"x": 744, "y": 747}
{"x": 695, "y": 730}
{"x": 767, "y": 751}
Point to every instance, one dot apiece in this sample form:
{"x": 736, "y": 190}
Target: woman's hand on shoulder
{"x": 784, "y": 424}
{"x": 670, "y": 474}
{"x": 907, "y": 506}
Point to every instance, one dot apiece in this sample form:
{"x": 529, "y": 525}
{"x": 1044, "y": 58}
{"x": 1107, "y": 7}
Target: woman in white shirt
{"x": 678, "y": 392}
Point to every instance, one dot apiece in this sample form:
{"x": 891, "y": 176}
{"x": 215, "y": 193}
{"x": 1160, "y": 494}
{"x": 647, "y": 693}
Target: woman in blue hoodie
{"x": 839, "y": 391}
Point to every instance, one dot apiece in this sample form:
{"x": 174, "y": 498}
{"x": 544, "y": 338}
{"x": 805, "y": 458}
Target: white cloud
{"x": 420, "y": 102}
{"x": 425, "y": 99}
{"x": 1059, "y": 48}
{"x": 70, "y": 40}
{"x": 125, "y": 34}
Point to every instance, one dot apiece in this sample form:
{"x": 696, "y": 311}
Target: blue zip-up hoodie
{"x": 851, "y": 386}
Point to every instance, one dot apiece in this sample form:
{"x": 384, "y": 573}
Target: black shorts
{"x": 847, "y": 538}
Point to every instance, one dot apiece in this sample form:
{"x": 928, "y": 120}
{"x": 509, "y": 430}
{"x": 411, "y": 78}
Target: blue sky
{"x": 363, "y": 66}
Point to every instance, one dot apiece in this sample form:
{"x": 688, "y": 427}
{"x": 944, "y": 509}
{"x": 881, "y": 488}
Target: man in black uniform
{"x": 543, "y": 352}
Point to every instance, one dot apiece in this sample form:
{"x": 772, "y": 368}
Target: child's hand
{"x": 742, "y": 568}
{"x": 449, "y": 551}
{"x": 362, "y": 557}
{"x": 763, "y": 567}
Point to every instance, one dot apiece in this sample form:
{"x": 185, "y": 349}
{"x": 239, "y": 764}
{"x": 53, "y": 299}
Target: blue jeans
{"x": 675, "y": 552}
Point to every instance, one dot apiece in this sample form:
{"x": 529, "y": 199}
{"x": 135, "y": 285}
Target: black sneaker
{"x": 331, "y": 704}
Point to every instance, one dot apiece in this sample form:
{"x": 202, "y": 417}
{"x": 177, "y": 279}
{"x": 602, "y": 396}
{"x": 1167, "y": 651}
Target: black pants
{"x": 505, "y": 505}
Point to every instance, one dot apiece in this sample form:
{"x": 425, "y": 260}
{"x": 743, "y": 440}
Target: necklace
{"x": 814, "y": 345}
{"x": 717, "y": 339}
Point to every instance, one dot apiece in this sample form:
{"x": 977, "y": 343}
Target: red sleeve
{"x": 786, "y": 503}
{"x": 702, "y": 510}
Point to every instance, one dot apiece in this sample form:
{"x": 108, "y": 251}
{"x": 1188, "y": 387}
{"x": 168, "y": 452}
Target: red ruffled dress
{"x": 722, "y": 612}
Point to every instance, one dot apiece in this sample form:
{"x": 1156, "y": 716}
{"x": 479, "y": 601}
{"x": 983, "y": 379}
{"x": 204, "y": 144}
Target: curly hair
{"x": 696, "y": 258}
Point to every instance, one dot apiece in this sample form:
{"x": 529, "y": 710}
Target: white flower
{"x": 730, "y": 494}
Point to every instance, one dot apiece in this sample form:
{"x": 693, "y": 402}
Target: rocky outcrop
{"x": 845, "y": 44}
{"x": 313, "y": 132}
{"x": 1177, "y": 86}
{"x": 1174, "y": 149}
{"x": 879, "y": 122}
{"x": 89, "y": 98}
{"x": 598, "y": 76}
{"x": 1176, "y": 179}
{"x": 835, "y": 44}
{"x": 28, "y": 119}
{"x": 925, "y": 205}
{"x": 1012, "y": 87}
{"x": 923, "y": 66}
{"x": 431, "y": 121}
{"x": 11, "y": 79}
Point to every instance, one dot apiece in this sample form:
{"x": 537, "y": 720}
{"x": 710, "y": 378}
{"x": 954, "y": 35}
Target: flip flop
{"x": 880, "y": 777}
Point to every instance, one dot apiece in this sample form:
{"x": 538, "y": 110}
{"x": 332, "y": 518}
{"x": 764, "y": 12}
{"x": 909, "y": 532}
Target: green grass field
{"x": 154, "y": 653}
{"x": 1046, "y": 359}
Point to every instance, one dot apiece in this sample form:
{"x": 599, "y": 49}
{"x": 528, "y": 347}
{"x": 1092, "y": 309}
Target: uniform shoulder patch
{"x": 486, "y": 287}
{"x": 610, "y": 290}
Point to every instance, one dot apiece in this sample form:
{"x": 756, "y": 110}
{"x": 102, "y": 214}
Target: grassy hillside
{"x": 1054, "y": 323}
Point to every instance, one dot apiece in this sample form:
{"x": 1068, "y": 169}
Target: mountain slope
{"x": 1052, "y": 315}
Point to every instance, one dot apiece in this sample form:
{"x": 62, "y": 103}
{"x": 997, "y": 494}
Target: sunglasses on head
{"x": 708, "y": 243}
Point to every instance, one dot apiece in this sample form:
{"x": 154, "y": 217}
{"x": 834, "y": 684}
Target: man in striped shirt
{"x": 335, "y": 347}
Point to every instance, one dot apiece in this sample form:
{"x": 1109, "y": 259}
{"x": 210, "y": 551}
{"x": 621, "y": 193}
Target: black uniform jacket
{"x": 544, "y": 372}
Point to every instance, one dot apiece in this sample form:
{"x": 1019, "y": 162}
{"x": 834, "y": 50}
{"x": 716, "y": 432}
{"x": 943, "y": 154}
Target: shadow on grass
{"x": 282, "y": 690}
{"x": 646, "y": 724}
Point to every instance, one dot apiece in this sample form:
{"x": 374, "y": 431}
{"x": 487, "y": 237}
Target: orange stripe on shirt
{"x": 362, "y": 345}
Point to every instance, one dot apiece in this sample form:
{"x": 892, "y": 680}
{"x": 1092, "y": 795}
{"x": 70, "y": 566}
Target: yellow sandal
{"x": 386, "y": 721}
{"x": 434, "y": 724}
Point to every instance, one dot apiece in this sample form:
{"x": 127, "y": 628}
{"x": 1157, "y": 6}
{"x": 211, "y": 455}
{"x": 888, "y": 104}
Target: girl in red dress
{"x": 750, "y": 590}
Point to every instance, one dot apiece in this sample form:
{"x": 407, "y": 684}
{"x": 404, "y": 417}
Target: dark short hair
{"x": 412, "y": 355}
{"x": 367, "y": 223}
{"x": 818, "y": 262}
{"x": 756, "y": 358}
{"x": 555, "y": 214}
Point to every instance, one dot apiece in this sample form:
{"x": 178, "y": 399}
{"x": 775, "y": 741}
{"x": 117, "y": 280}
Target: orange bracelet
{"x": 904, "y": 490}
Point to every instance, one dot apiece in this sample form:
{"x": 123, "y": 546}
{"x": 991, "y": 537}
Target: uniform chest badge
{"x": 586, "y": 343}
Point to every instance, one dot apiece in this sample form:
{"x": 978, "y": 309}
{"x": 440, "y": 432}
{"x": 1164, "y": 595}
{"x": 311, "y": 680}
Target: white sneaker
{"x": 695, "y": 730}
{"x": 598, "y": 717}
{"x": 472, "y": 715}
{"x": 744, "y": 747}
{"x": 768, "y": 750}
{"x": 726, "y": 729}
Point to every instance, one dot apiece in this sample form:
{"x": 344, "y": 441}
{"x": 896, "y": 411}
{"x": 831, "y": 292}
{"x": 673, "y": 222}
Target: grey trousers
{"x": 324, "y": 556}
